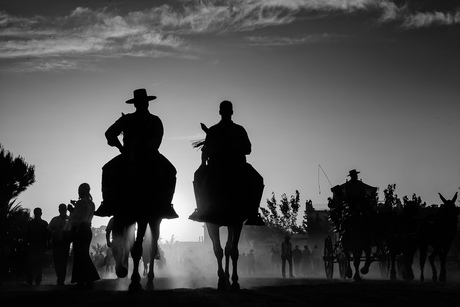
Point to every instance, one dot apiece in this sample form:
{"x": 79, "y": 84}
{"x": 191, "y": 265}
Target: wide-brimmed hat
{"x": 140, "y": 95}
{"x": 353, "y": 172}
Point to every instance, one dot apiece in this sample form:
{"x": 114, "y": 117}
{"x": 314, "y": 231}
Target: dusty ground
{"x": 256, "y": 291}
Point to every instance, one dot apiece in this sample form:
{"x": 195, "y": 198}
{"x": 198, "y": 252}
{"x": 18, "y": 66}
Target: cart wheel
{"x": 343, "y": 265}
{"x": 328, "y": 258}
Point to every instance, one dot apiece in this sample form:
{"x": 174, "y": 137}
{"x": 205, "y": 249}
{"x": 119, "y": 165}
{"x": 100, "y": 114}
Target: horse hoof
{"x": 135, "y": 287}
{"x": 121, "y": 271}
{"x": 364, "y": 270}
{"x": 349, "y": 273}
{"x": 221, "y": 285}
{"x": 235, "y": 286}
{"x": 357, "y": 278}
{"x": 149, "y": 285}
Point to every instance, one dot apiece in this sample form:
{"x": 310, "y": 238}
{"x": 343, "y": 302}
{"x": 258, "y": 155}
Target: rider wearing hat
{"x": 140, "y": 169}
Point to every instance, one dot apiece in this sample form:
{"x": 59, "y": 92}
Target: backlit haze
{"x": 357, "y": 84}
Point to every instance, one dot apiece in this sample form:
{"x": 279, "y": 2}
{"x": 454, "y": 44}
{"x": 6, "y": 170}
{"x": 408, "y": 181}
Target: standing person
{"x": 60, "y": 243}
{"x": 37, "y": 237}
{"x": 315, "y": 260}
{"x": 83, "y": 272}
{"x": 251, "y": 262}
{"x": 286, "y": 255}
{"x": 306, "y": 261}
{"x": 296, "y": 258}
{"x": 275, "y": 258}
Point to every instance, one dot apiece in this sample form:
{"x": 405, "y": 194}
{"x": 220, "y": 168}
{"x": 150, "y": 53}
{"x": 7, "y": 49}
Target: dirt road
{"x": 254, "y": 292}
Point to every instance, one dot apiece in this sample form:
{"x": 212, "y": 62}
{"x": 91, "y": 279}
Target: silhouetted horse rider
{"x": 140, "y": 172}
{"x": 351, "y": 200}
{"x": 228, "y": 189}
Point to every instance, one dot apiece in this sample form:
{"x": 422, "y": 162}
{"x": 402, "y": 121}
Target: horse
{"x": 394, "y": 233}
{"x": 438, "y": 231}
{"x": 141, "y": 195}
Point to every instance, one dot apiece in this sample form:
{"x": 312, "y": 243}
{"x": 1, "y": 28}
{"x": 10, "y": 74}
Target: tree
{"x": 283, "y": 216}
{"x": 416, "y": 199}
{"x": 313, "y": 224}
{"x": 15, "y": 177}
{"x": 391, "y": 200}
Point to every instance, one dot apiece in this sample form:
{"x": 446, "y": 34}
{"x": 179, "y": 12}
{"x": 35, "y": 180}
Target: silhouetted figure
{"x": 286, "y": 255}
{"x": 83, "y": 272}
{"x": 225, "y": 172}
{"x": 109, "y": 262}
{"x": 251, "y": 260}
{"x": 138, "y": 185}
{"x": 315, "y": 259}
{"x": 243, "y": 263}
{"x": 276, "y": 257}
{"x": 306, "y": 261}
{"x": 60, "y": 243}
{"x": 140, "y": 172}
{"x": 228, "y": 190}
{"x": 296, "y": 259}
{"x": 37, "y": 238}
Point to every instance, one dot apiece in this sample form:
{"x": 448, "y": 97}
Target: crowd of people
{"x": 62, "y": 231}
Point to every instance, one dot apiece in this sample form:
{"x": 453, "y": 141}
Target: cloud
{"x": 266, "y": 41}
{"x": 51, "y": 64}
{"x": 414, "y": 14}
{"x": 82, "y": 32}
{"x": 167, "y": 30}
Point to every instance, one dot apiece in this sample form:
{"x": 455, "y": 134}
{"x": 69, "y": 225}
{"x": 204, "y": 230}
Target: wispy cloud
{"x": 266, "y": 41}
{"x": 423, "y": 20}
{"x": 83, "y": 32}
{"x": 412, "y": 14}
{"x": 167, "y": 30}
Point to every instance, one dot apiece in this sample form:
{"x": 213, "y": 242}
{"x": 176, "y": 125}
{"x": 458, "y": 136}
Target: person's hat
{"x": 353, "y": 172}
{"x": 140, "y": 95}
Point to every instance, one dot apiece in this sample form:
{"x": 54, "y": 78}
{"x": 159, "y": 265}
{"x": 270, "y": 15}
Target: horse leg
{"x": 155, "y": 230}
{"x": 433, "y": 265}
{"x": 367, "y": 264}
{"x": 392, "y": 264}
{"x": 227, "y": 253}
{"x": 356, "y": 261}
{"x": 443, "y": 272}
{"x": 118, "y": 247}
{"x": 213, "y": 231}
{"x": 235, "y": 238}
{"x": 423, "y": 250}
{"x": 146, "y": 267}
{"x": 136, "y": 254}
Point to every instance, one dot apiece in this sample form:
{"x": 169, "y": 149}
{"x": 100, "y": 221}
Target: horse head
{"x": 449, "y": 209}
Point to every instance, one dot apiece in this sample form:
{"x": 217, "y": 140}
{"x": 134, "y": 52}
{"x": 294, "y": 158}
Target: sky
{"x": 321, "y": 86}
